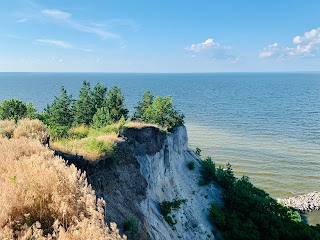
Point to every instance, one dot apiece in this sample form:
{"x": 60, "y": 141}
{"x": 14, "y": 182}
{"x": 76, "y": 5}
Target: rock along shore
{"x": 304, "y": 203}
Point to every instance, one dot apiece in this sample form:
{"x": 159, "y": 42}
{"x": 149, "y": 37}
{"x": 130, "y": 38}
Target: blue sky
{"x": 159, "y": 36}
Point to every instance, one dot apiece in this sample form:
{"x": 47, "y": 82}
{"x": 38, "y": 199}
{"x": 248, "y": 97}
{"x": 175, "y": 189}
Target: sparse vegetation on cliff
{"x": 166, "y": 208}
{"x": 191, "y": 165}
{"x": 91, "y": 125}
{"x": 91, "y": 147}
{"x": 249, "y": 212}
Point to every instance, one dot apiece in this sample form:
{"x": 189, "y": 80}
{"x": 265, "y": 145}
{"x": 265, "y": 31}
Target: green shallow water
{"x": 281, "y": 166}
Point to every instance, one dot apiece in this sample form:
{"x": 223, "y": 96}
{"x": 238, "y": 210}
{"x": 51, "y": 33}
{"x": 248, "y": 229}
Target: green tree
{"x": 146, "y": 101}
{"x": 99, "y": 96}
{"x": 31, "y": 111}
{"x": 113, "y": 109}
{"x": 84, "y": 106}
{"x": 115, "y": 104}
{"x": 60, "y": 112}
{"x": 225, "y": 176}
{"x": 207, "y": 171}
{"x": 161, "y": 112}
{"x": 101, "y": 118}
{"x": 13, "y": 109}
{"x": 250, "y": 213}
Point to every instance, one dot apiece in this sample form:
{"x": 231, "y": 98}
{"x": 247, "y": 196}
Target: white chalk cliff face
{"x": 169, "y": 178}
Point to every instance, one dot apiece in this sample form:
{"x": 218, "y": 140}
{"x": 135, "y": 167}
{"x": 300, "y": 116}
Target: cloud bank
{"x": 307, "y": 45}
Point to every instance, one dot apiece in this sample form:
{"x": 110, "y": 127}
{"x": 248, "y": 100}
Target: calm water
{"x": 267, "y": 125}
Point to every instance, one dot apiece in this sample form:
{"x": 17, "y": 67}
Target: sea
{"x": 266, "y": 125}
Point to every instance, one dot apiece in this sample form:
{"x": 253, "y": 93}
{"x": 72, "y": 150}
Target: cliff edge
{"x": 151, "y": 167}
{"x": 169, "y": 178}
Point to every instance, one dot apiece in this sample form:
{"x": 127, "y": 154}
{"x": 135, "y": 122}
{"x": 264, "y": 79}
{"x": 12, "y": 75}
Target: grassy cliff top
{"x": 92, "y": 143}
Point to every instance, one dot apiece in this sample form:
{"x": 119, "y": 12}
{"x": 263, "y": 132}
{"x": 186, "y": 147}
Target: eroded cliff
{"x": 151, "y": 167}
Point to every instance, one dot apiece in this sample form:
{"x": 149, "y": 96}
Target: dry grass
{"x": 34, "y": 129}
{"x": 79, "y": 131}
{"x": 140, "y": 125}
{"x": 42, "y": 198}
{"x": 112, "y": 137}
{"x": 6, "y": 128}
{"x": 91, "y": 148}
{"x": 93, "y": 143}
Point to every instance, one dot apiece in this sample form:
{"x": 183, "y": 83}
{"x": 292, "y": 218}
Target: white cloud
{"x": 53, "y": 42}
{"x": 269, "y": 51}
{"x": 112, "y": 23}
{"x": 297, "y": 40}
{"x": 83, "y": 28}
{"x": 22, "y": 20}
{"x": 66, "y": 18}
{"x": 307, "y": 45}
{"x": 62, "y": 44}
{"x": 56, "y": 13}
{"x": 206, "y": 45}
{"x": 211, "y": 49}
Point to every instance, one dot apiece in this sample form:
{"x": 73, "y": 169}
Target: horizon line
{"x": 162, "y": 72}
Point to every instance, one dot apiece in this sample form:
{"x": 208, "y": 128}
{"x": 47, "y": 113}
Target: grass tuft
{"x": 33, "y": 129}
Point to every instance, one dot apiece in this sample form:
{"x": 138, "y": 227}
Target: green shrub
{"x": 131, "y": 225}
{"x": 78, "y": 132}
{"x": 207, "y": 171}
{"x": 166, "y": 207}
{"x": 100, "y": 146}
{"x": 250, "y": 213}
{"x": 198, "y": 152}
{"x": 14, "y": 109}
{"x": 191, "y": 165}
{"x": 58, "y": 132}
{"x": 216, "y": 216}
{"x": 225, "y": 176}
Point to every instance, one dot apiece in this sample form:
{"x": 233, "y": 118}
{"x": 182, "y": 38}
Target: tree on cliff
{"x": 146, "y": 101}
{"x": 60, "y": 112}
{"x": 162, "y": 112}
{"x": 99, "y": 96}
{"x": 113, "y": 109}
{"x": 14, "y": 109}
{"x": 84, "y": 106}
